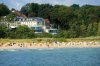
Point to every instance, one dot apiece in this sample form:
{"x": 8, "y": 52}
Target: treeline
{"x": 73, "y": 21}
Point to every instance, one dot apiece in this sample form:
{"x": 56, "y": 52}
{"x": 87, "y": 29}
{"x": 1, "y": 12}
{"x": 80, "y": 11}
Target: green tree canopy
{"x": 4, "y": 10}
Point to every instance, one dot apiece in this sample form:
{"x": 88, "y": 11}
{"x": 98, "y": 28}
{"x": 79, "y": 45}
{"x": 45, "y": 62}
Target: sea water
{"x": 51, "y": 57}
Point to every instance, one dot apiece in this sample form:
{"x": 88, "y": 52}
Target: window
{"x": 53, "y": 31}
{"x": 38, "y": 30}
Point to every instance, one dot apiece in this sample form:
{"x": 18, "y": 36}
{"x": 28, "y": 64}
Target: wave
{"x": 46, "y": 49}
{"x": 1, "y": 49}
{"x": 12, "y": 50}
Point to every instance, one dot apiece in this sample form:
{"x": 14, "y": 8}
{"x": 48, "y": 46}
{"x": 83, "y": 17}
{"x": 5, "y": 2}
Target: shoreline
{"x": 44, "y": 45}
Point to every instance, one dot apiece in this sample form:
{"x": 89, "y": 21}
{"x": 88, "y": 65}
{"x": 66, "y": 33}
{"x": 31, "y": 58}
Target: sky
{"x": 17, "y": 4}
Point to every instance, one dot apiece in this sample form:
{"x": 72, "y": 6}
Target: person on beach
{"x": 30, "y": 44}
{"x": 48, "y": 46}
{"x": 1, "y": 44}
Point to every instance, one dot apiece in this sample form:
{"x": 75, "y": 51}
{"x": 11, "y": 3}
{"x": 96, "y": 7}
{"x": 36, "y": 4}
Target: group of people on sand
{"x": 49, "y": 45}
{"x": 12, "y": 44}
{"x": 22, "y": 45}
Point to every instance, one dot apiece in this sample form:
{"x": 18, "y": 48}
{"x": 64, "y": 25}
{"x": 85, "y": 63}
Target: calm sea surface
{"x": 51, "y": 57}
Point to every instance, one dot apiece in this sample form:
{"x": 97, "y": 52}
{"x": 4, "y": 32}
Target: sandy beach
{"x": 50, "y": 45}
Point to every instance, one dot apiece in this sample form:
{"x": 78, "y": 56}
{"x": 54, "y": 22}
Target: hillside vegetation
{"x": 73, "y": 21}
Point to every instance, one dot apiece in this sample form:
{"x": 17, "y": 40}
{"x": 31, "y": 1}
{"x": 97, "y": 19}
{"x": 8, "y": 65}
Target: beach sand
{"x": 50, "y": 45}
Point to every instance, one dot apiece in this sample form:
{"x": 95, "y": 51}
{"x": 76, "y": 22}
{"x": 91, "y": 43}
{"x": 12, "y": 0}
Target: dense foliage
{"x": 73, "y": 21}
{"x": 4, "y": 10}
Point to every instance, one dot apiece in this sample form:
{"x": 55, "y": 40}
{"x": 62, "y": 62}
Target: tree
{"x": 44, "y": 10}
{"x": 74, "y": 30}
{"x": 24, "y": 32}
{"x": 83, "y": 30}
{"x": 98, "y": 32}
{"x": 90, "y": 30}
{"x": 30, "y": 9}
{"x": 10, "y": 17}
{"x": 75, "y": 6}
{"x": 61, "y": 15}
{"x": 3, "y": 31}
{"x": 4, "y": 10}
{"x": 95, "y": 28}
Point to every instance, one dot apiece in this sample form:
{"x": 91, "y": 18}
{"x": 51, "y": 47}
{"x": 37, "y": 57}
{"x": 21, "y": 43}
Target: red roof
{"x": 46, "y": 21}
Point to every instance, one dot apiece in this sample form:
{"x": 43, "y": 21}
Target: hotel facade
{"x": 37, "y": 24}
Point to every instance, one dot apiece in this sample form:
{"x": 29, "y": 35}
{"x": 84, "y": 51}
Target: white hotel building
{"x": 37, "y": 24}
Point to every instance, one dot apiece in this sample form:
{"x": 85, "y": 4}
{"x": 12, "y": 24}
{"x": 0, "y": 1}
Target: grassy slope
{"x": 97, "y": 38}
